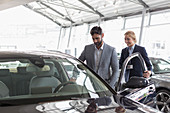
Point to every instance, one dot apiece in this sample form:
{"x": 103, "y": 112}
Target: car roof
{"x": 29, "y": 54}
{"x": 155, "y": 58}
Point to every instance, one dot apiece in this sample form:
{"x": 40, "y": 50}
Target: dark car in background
{"x": 161, "y": 77}
{"x": 48, "y": 82}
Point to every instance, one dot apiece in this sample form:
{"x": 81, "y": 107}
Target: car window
{"x": 58, "y": 77}
{"x": 82, "y": 76}
{"x": 160, "y": 66}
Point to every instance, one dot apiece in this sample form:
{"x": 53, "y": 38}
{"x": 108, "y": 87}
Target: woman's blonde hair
{"x": 131, "y": 34}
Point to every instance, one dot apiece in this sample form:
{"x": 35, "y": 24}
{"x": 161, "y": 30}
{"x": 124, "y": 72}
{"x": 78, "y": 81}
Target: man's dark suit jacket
{"x": 137, "y": 68}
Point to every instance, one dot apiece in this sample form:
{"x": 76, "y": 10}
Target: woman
{"x": 134, "y": 68}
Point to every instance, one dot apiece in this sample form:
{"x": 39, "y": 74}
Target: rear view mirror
{"x": 136, "y": 82}
{"x": 37, "y": 61}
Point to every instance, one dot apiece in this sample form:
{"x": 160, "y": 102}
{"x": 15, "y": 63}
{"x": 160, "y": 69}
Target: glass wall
{"x": 154, "y": 37}
{"x": 38, "y": 32}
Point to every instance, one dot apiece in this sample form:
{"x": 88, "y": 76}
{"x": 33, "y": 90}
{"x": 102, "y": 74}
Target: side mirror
{"x": 137, "y": 82}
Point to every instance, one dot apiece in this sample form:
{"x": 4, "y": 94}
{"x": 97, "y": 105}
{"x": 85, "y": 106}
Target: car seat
{"x": 4, "y": 91}
{"x": 21, "y": 81}
{"x": 44, "y": 82}
{"x": 5, "y": 77}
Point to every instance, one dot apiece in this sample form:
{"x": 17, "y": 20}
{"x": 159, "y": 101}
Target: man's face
{"x": 97, "y": 39}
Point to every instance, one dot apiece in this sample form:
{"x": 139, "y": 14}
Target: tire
{"x": 163, "y": 101}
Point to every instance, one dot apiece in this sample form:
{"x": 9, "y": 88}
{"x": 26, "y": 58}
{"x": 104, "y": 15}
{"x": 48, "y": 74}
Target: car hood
{"x": 73, "y": 106}
{"x": 67, "y": 106}
{"x": 80, "y": 106}
{"x": 162, "y": 77}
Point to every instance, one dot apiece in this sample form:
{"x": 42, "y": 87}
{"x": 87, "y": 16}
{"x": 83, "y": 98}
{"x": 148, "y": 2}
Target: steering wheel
{"x": 60, "y": 86}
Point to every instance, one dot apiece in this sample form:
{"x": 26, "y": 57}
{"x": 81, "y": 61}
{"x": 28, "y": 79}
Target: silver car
{"x": 161, "y": 77}
{"x": 54, "y": 82}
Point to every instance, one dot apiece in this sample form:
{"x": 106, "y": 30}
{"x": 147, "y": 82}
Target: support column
{"x": 124, "y": 23}
{"x": 59, "y": 38}
{"x": 99, "y": 21}
{"x": 142, "y": 24}
{"x": 69, "y": 36}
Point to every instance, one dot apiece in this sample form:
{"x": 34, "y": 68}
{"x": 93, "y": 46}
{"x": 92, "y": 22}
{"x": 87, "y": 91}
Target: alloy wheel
{"x": 163, "y": 101}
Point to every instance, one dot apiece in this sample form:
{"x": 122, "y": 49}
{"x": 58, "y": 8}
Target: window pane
{"x": 160, "y": 18}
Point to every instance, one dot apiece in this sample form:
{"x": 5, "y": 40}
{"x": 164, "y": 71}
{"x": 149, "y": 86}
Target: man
{"x": 100, "y": 57}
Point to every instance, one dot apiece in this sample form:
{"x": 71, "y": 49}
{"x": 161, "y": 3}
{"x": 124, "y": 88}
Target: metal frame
{"x": 91, "y": 10}
{"x": 57, "y": 12}
{"x": 66, "y": 4}
{"x": 29, "y": 7}
{"x": 89, "y": 6}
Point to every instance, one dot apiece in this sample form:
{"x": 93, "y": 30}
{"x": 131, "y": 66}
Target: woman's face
{"x": 129, "y": 41}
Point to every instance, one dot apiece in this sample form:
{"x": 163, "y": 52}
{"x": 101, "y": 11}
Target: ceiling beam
{"x": 6, "y": 4}
{"x": 29, "y": 7}
{"x": 89, "y": 6}
{"x": 143, "y": 3}
{"x": 57, "y": 12}
{"x": 71, "y": 6}
{"x": 123, "y": 15}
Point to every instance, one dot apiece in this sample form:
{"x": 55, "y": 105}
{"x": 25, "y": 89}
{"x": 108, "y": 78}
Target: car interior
{"x": 27, "y": 80}
{"x": 19, "y": 77}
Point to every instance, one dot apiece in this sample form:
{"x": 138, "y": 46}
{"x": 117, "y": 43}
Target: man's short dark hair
{"x": 96, "y": 30}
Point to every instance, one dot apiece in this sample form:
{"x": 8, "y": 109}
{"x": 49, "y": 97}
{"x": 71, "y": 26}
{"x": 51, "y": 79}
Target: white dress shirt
{"x": 97, "y": 56}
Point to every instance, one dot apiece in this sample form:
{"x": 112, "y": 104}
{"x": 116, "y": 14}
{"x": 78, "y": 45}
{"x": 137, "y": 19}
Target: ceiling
{"x": 5, "y": 4}
{"x": 75, "y": 12}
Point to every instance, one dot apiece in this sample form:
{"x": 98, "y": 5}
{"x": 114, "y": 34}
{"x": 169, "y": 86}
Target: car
{"x": 51, "y": 81}
{"x": 161, "y": 77}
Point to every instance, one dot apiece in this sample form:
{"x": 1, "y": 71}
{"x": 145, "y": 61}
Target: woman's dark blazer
{"x": 137, "y": 68}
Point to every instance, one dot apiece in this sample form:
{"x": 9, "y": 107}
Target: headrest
{"x": 47, "y": 70}
{"x": 4, "y": 72}
{"x": 31, "y": 69}
{"x": 21, "y": 69}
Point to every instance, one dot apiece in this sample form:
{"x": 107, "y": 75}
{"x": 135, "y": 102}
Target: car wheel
{"x": 163, "y": 101}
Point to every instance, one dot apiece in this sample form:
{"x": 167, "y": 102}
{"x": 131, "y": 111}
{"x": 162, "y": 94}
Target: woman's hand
{"x": 146, "y": 74}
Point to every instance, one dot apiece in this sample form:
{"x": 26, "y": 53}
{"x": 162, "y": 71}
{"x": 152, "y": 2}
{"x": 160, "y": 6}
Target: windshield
{"x": 160, "y": 66}
{"x": 48, "y": 77}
